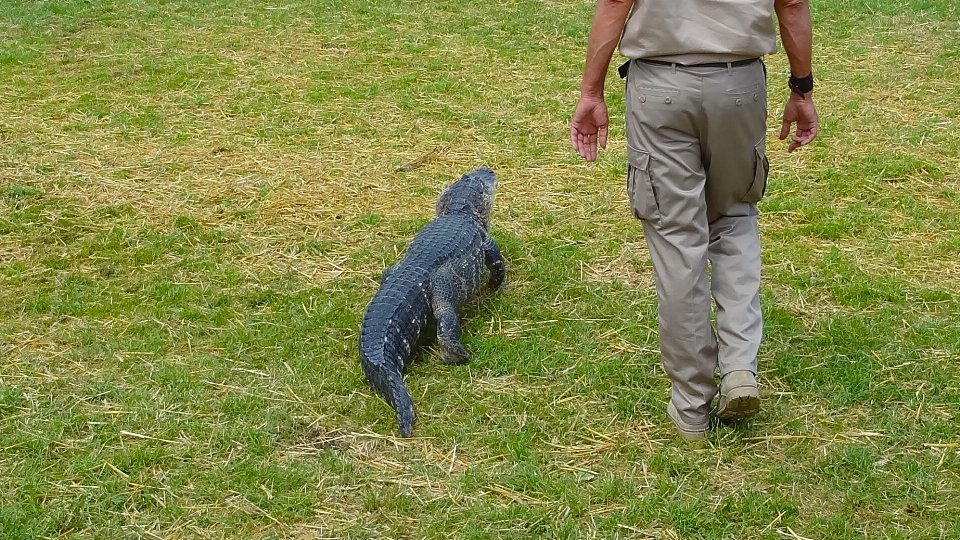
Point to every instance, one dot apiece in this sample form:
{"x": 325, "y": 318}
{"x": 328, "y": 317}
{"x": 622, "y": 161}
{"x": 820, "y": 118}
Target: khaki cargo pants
{"x": 697, "y": 168}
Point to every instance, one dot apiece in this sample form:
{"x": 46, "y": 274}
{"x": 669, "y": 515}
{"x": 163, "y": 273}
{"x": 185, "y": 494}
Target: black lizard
{"x": 440, "y": 270}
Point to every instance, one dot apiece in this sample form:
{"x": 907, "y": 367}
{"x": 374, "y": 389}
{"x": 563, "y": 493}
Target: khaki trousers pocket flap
{"x": 761, "y": 172}
{"x": 640, "y": 190}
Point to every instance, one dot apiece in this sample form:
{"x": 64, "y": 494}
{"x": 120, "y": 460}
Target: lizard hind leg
{"x": 451, "y": 350}
{"x": 443, "y": 300}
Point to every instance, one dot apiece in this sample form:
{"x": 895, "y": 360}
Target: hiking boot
{"x": 689, "y": 432}
{"x": 739, "y": 396}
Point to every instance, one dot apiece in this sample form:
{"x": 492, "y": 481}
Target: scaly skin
{"x": 440, "y": 271}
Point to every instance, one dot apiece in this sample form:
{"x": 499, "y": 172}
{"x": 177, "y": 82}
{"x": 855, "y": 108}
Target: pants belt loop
{"x": 730, "y": 68}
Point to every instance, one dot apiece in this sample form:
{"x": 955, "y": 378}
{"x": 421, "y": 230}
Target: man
{"x": 696, "y": 110}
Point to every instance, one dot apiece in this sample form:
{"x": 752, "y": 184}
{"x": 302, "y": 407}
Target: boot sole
{"x": 738, "y": 408}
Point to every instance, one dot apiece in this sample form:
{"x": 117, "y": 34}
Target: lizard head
{"x": 472, "y": 194}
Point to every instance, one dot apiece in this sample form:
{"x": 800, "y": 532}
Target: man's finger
{"x": 589, "y": 145}
{"x": 583, "y": 146}
{"x": 784, "y": 130}
{"x": 603, "y": 137}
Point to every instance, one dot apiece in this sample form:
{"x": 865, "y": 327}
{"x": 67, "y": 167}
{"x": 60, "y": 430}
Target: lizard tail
{"x": 388, "y": 382}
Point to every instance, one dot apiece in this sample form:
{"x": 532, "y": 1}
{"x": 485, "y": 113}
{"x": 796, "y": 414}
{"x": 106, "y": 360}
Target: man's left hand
{"x": 804, "y": 114}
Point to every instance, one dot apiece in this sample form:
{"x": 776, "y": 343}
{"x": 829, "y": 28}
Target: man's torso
{"x": 698, "y": 31}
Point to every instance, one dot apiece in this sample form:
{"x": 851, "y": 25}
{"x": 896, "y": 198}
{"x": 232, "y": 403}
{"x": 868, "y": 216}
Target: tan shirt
{"x": 697, "y": 31}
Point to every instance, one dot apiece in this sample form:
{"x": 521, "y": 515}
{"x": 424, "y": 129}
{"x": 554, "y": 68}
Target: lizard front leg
{"x": 494, "y": 261}
{"x": 443, "y": 301}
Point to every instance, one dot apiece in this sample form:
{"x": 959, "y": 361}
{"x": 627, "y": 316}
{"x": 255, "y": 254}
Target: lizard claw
{"x": 453, "y": 353}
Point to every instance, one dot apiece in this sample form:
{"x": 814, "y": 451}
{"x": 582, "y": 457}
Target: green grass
{"x": 197, "y": 198}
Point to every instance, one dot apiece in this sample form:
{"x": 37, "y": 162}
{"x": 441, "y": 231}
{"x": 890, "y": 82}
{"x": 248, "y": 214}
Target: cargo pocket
{"x": 761, "y": 170}
{"x": 643, "y": 197}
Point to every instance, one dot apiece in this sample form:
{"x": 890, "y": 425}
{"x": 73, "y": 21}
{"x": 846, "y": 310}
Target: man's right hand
{"x": 589, "y": 127}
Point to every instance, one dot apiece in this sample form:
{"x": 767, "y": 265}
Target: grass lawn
{"x": 197, "y": 200}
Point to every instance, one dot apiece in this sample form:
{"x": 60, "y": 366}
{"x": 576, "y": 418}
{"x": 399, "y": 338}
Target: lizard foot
{"x": 453, "y": 353}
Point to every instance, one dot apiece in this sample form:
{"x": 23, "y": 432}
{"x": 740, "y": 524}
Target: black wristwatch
{"x": 801, "y": 85}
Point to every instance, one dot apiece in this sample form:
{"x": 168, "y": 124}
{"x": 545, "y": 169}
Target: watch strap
{"x": 801, "y": 85}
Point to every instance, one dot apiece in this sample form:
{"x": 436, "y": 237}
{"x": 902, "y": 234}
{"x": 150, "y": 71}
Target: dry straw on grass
{"x": 265, "y": 161}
